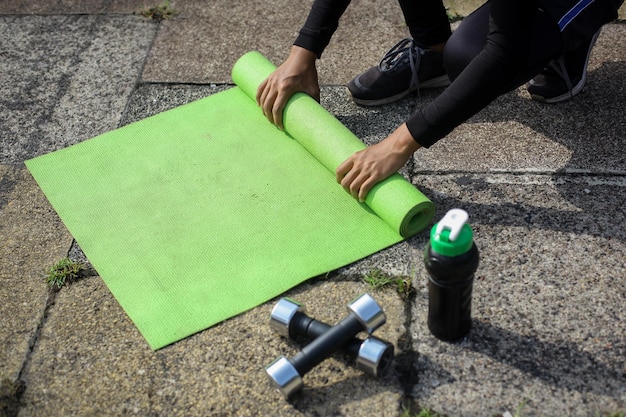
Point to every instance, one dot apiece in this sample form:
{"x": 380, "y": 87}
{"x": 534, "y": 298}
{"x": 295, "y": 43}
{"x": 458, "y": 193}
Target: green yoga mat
{"x": 207, "y": 210}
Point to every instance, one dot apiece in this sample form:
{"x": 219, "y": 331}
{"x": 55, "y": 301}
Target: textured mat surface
{"x": 202, "y": 212}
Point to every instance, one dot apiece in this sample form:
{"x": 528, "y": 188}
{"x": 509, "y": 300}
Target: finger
{"x": 268, "y": 104}
{"x": 260, "y": 91}
{"x": 351, "y": 182}
{"x": 366, "y": 187}
{"x": 277, "y": 110}
{"x": 356, "y": 184}
{"x": 343, "y": 169}
{"x": 263, "y": 98}
{"x": 266, "y": 95}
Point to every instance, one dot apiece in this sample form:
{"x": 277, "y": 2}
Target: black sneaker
{"x": 404, "y": 69}
{"x": 563, "y": 78}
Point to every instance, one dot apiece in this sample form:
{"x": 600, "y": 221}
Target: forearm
{"x": 477, "y": 86}
{"x": 364, "y": 169}
{"x": 493, "y": 72}
{"x": 302, "y": 56}
{"x": 321, "y": 24}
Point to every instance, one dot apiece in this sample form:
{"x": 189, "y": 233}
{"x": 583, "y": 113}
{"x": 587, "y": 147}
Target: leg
{"x": 471, "y": 36}
{"x": 564, "y": 77}
{"x": 411, "y": 64}
{"x": 427, "y": 21}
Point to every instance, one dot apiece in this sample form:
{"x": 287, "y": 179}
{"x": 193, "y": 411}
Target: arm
{"x": 359, "y": 173}
{"x": 321, "y": 24}
{"x": 489, "y": 75}
{"x": 298, "y": 73}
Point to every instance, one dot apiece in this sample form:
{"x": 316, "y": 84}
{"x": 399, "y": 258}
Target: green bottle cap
{"x": 452, "y": 236}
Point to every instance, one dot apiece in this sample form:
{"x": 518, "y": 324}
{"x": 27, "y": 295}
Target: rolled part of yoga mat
{"x": 402, "y": 206}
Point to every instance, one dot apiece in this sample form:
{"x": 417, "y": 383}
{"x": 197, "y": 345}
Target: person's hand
{"x": 359, "y": 173}
{"x": 297, "y": 73}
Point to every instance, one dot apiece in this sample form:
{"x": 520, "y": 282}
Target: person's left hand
{"x": 359, "y": 173}
{"x": 297, "y": 73}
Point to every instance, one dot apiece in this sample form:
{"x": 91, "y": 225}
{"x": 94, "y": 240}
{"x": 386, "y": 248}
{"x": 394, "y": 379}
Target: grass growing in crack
{"x": 618, "y": 413}
{"x": 63, "y": 272}
{"x": 424, "y": 412}
{"x": 161, "y": 12}
{"x": 379, "y": 280}
{"x": 518, "y": 412}
{"x": 453, "y": 16}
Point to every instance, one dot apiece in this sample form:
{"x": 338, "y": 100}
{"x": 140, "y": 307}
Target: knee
{"x": 457, "y": 54}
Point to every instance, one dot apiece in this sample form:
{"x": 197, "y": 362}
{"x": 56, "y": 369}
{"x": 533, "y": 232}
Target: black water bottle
{"x": 451, "y": 259}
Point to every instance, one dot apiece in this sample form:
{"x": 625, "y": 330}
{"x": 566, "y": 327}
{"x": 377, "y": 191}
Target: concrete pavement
{"x": 544, "y": 185}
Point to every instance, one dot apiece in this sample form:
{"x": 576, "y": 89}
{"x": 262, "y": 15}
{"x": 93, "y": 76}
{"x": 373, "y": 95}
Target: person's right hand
{"x": 296, "y": 74}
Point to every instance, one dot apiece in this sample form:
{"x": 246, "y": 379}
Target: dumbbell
{"x": 288, "y": 319}
{"x": 364, "y": 315}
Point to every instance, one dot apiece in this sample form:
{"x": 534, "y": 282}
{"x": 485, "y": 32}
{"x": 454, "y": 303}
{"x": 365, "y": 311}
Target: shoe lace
{"x": 403, "y": 51}
{"x": 559, "y": 68}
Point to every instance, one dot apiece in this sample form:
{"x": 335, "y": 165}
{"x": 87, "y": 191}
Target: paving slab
{"x": 33, "y": 239}
{"x": 89, "y": 346}
{"x": 518, "y": 134}
{"x": 187, "y": 46}
{"x": 548, "y": 328}
{"x": 515, "y": 133}
{"x": 532, "y": 229}
{"x": 544, "y": 186}
{"x": 52, "y": 7}
{"x": 65, "y": 7}
{"x": 66, "y": 79}
{"x": 86, "y": 331}
{"x": 203, "y": 41}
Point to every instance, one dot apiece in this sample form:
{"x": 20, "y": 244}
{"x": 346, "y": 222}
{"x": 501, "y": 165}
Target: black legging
{"x": 497, "y": 48}
{"x": 427, "y": 21}
{"x": 470, "y": 38}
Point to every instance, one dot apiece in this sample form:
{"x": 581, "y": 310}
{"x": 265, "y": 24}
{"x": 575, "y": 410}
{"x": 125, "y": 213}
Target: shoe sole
{"x": 577, "y": 88}
{"x": 563, "y": 97}
{"x": 437, "y": 82}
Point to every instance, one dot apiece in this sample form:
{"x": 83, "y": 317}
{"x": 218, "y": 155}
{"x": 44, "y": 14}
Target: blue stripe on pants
{"x": 573, "y": 12}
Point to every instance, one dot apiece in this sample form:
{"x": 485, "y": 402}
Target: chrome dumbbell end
{"x": 284, "y": 376}
{"x": 369, "y": 313}
{"x": 283, "y": 314}
{"x": 374, "y": 356}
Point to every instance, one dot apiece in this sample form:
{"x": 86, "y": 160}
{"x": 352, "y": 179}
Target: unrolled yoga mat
{"x": 207, "y": 210}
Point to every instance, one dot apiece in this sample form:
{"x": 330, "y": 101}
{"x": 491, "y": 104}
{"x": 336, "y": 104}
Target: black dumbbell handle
{"x": 305, "y": 326}
{"x": 320, "y": 348}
